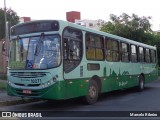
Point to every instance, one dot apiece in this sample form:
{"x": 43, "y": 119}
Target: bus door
{"x": 72, "y": 56}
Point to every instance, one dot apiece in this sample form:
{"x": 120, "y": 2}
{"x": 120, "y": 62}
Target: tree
{"x": 12, "y": 18}
{"x": 131, "y": 27}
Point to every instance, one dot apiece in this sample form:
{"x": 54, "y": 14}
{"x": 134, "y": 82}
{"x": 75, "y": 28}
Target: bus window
{"x": 112, "y": 50}
{"x": 141, "y": 54}
{"x": 125, "y": 52}
{"x": 133, "y": 53}
{"x": 94, "y": 47}
{"x": 147, "y": 56}
{"x": 99, "y": 47}
{"x": 153, "y": 56}
{"x": 90, "y": 47}
{"x": 91, "y": 66}
{"x": 72, "y": 44}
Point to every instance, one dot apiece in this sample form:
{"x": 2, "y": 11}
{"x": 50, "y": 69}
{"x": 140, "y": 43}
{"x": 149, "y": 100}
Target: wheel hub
{"x": 92, "y": 92}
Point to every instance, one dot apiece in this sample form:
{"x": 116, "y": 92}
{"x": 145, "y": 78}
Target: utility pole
{"x": 6, "y": 38}
{"x": 5, "y": 19}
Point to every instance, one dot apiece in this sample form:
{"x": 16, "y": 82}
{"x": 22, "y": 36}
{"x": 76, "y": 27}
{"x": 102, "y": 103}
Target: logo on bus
{"x": 121, "y": 84}
{"x": 125, "y": 73}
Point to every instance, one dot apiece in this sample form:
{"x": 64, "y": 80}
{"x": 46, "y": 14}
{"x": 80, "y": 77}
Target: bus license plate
{"x": 27, "y": 91}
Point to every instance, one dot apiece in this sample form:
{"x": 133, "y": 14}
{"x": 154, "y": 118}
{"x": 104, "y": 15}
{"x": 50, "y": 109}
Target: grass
{"x": 3, "y": 86}
{"x": 3, "y": 77}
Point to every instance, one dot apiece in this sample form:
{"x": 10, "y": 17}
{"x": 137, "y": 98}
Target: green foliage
{"x": 12, "y": 18}
{"x": 3, "y": 77}
{"x": 132, "y": 27}
{"x": 3, "y": 86}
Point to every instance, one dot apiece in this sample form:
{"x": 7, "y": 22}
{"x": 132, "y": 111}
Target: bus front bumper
{"x": 55, "y": 92}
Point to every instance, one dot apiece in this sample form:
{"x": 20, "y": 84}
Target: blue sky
{"x": 90, "y": 9}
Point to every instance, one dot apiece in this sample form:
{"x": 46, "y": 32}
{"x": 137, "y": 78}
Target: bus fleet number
{"x": 35, "y": 80}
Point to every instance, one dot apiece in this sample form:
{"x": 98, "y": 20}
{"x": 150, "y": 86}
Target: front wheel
{"x": 92, "y": 92}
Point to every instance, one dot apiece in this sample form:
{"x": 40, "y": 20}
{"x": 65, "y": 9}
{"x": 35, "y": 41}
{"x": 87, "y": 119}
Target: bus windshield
{"x": 40, "y": 52}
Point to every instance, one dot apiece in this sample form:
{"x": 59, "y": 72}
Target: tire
{"x": 141, "y": 83}
{"x": 92, "y": 93}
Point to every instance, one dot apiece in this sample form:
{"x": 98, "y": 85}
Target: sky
{"x": 90, "y": 9}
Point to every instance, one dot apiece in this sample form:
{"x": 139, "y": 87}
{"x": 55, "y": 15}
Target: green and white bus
{"x": 55, "y": 59}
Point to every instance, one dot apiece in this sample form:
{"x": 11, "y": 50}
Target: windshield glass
{"x": 40, "y": 52}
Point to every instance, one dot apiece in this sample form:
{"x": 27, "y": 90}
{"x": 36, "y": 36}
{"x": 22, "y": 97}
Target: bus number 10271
{"x": 35, "y": 80}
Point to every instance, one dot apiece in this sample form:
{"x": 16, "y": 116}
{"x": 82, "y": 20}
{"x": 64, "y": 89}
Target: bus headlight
{"x": 43, "y": 85}
{"x": 48, "y": 83}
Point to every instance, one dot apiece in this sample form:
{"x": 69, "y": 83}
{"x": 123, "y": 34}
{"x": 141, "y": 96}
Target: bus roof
{"x": 65, "y": 23}
{"x": 109, "y": 35}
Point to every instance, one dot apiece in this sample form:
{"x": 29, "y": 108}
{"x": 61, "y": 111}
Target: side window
{"x": 125, "y": 52}
{"x": 141, "y": 54}
{"x": 112, "y": 50}
{"x": 94, "y": 47}
{"x": 134, "y": 53}
{"x": 90, "y": 47}
{"x": 147, "y": 56}
{"x": 72, "y": 48}
{"x": 153, "y": 56}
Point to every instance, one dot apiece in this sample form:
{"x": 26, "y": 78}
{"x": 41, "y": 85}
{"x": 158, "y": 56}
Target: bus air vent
{"x": 27, "y": 74}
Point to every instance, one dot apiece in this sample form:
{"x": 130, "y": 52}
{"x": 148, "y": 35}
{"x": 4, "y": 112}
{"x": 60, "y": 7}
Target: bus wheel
{"x": 141, "y": 83}
{"x": 92, "y": 93}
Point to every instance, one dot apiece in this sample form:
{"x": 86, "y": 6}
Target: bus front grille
{"x": 29, "y": 85}
{"x": 27, "y": 74}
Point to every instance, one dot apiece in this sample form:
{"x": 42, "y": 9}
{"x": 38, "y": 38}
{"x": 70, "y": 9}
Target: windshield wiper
{"x": 39, "y": 43}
